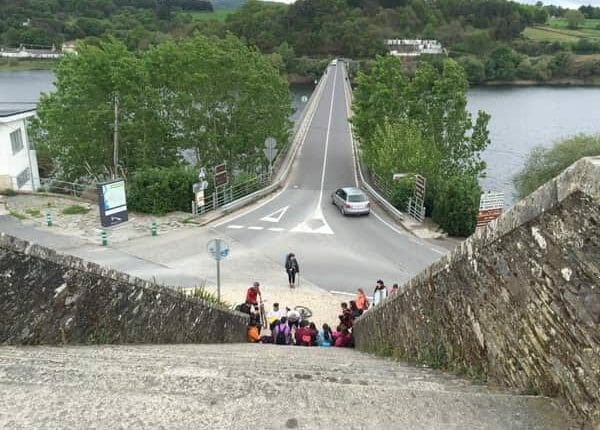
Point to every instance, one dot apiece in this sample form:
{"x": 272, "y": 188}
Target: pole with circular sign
{"x": 219, "y": 250}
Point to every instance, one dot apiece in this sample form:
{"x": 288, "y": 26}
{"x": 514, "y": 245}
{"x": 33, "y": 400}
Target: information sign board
{"x": 112, "y": 202}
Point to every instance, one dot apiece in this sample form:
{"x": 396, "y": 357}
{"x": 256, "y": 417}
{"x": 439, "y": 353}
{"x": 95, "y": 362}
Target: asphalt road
{"x": 335, "y": 252}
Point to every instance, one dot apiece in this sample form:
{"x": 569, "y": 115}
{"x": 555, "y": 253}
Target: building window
{"x": 23, "y": 177}
{"x": 16, "y": 140}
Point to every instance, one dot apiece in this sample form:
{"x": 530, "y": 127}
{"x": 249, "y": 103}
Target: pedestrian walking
{"x": 292, "y": 268}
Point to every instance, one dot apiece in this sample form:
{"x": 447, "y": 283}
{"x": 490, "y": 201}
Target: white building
{"x": 18, "y": 160}
{"x": 413, "y": 47}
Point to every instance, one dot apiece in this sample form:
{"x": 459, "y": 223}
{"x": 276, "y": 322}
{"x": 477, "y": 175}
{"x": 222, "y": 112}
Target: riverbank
{"x": 18, "y": 65}
{"x": 593, "y": 81}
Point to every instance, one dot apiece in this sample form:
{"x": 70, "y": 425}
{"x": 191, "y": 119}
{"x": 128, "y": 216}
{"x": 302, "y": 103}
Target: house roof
{"x": 8, "y": 112}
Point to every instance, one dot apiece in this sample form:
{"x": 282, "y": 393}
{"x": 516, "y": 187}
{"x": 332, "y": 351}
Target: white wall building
{"x": 18, "y": 160}
{"x": 413, "y": 47}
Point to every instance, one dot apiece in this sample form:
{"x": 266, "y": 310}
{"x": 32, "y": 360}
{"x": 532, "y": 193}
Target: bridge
{"x": 469, "y": 311}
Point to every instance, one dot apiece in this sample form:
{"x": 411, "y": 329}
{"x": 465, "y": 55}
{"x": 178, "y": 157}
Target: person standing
{"x": 252, "y": 295}
{"x": 362, "y": 302}
{"x": 292, "y": 268}
{"x": 394, "y": 290}
{"x": 380, "y": 293}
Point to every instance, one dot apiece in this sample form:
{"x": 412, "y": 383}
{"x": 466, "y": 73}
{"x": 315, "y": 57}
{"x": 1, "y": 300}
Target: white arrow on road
{"x": 316, "y": 224}
{"x": 276, "y": 216}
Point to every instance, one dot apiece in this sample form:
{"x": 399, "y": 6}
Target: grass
{"x": 75, "y": 210}
{"x": 33, "y": 212}
{"x": 217, "y": 15}
{"x": 544, "y": 34}
{"x": 556, "y": 30}
{"x": 17, "y": 215}
{"x": 17, "y": 65}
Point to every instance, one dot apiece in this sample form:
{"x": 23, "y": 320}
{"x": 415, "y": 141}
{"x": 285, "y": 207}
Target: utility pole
{"x": 116, "y": 138}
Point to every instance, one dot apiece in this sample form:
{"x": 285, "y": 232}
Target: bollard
{"x": 49, "y": 219}
{"x": 104, "y": 238}
{"x": 153, "y": 228}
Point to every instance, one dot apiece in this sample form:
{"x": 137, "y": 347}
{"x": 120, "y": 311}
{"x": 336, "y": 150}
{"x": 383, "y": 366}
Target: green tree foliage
{"x": 420, "y": 124}
{"x": 214, "y": 96}
{"x": 543, "y": 164}
{"x": 456, "y": 204}
{"x": 159, "y": 190}
{"x": 575, "y": 19}
{"x": 502, "y": 64}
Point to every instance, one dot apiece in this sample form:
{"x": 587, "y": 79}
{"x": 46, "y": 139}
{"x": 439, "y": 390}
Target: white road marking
{"x": 276, "y": 229}
{"x": 237, "y": 227}
{"x": 327, "y": 142}
{"x": 255, "y": 227}
{"x": 303, "y": 227}
{"x": 276, "y": 216}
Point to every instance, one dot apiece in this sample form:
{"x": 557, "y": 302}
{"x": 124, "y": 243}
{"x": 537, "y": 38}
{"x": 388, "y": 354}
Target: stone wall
{"x": 517, "y": 303}
{"x": 49, "y": 298}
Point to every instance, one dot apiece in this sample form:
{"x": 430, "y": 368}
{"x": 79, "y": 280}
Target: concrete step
{"x": 240, "y": 386}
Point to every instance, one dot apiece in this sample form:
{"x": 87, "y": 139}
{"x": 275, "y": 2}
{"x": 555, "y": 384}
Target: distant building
{"x": 23, "y": 52}
{"x": 18, "y": 159}
{"x": 413, "y": 47}
{"x": 69, "y": 47}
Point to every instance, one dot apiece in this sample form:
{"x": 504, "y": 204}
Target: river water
{"x": 522, "y": 117}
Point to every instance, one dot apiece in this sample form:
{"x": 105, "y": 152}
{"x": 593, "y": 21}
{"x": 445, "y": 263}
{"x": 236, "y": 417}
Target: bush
{"x": 9, "y": 192}
{"x": 159, "y": 190}
{"x": 75, "y": 210}
{"x": 456, "y": 205}
{"x": 401, "y": 192}
{"x": 544, "y": 164}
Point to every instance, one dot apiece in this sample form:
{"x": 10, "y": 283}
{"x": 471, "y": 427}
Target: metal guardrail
{"x": 227, "y": 194}
{"x": 382, "y": 200}
{"x": 52, "y": 185}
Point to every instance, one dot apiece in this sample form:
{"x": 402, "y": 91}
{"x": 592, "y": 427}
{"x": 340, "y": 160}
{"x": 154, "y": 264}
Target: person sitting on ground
{"x": 313, "y": 333}
{"x": 282, "y": 333}
{"x": 252, "y": 333}
{"x": 354, "y": 310}
{"x": 393, "y": 290}
{"x": 346, "y": 315}
{"x": 361, "y": 300}
{"x": 274, "y": 315}
{"x": 325, "y": 337}
{"x": 304, "y": 334}
{"x": 380, "y": 293}
{"x": 344, "y": 340}
{"x": 293, "y": 317}
{"x": 253, "y": 294}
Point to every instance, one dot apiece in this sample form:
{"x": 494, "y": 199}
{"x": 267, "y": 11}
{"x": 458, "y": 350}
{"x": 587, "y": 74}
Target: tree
{"x": 456, "y": 205}
{"x": 574, "y": 19}
{"x": 421, "y": 125}
{"x": 543, "y": 164}
{"x": 214, "y": 96}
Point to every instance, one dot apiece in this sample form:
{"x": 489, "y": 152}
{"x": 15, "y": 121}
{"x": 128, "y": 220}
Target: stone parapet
{"x": 518, "y": 303}
{"x": 50, "y": 298}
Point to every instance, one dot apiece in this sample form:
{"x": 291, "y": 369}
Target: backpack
{"x": 280, "y": 337}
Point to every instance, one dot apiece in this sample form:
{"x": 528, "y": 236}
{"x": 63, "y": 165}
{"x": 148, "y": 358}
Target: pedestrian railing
{"x": 229, "y": 193}
{"x": 52, "y": 185}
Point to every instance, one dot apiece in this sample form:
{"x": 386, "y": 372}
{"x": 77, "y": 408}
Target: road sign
{"x": 218, "y": 249}
{"x": 202, "y": 174}
{"x": 490, "y": 207}
{"x": 200, "y": 198}
{"x": 270, "y": 142}
{"x": 199, "y": 186}
{"x": 220, "y": 177}
{"x": 112, "y": 202}
{"x": 270, "y": 153}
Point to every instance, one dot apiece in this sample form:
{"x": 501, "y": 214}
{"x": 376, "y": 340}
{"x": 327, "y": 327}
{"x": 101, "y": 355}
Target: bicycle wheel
{"x": 304, "y": 311}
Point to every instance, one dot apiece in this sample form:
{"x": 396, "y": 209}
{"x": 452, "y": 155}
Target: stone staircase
{"x": 247, "y": 386}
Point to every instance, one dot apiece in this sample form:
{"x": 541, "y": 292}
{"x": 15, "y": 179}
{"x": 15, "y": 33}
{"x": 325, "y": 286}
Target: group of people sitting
{"x": 291, "y": 327}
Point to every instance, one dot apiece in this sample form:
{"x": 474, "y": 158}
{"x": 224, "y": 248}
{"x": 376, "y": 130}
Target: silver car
{"x": 351, "y": 201}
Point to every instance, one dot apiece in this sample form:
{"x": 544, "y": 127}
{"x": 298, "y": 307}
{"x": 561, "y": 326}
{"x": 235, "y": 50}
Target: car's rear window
{"x": 357, "y": 198}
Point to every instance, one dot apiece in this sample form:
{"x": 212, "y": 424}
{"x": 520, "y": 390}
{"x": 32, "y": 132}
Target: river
{"x": 522, "y": 118}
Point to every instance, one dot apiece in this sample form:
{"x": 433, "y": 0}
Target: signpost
{"x": 219, "y": 250}
{"x": 198, "y": 190}
{"x": 270, "y": 152}
{"x": 112, "y": 202}
{"x": 220, "y": 175}
{"x": 490, "y": 207}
